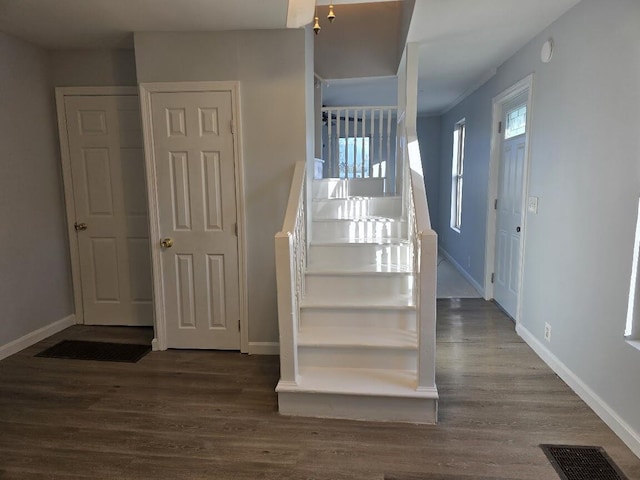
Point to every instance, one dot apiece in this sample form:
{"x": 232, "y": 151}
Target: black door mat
{"x": 99, "y": 351}
{"x": 574, "y": 462}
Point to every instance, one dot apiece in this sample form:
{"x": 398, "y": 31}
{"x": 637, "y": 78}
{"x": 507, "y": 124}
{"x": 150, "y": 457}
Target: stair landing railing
{"x": 359, "y": 142}
{"x": 424, "y": 242}
{"x": 291, "y": 260}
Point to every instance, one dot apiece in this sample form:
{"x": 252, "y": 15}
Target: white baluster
{"x": 329, "y": 147}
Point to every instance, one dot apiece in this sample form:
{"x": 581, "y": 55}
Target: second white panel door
{"x": 107, "y": 166}
{"x": 509, "y": 218}
{"x": 195, "y": 166}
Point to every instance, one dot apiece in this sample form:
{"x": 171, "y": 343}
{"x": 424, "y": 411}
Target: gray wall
{"x": 429, "y": 138}
{"x": 270, "y": 66}
{"x": 584, "y": 167}
{"x": 35, "y": 278}
{"x": 93, "y": 68}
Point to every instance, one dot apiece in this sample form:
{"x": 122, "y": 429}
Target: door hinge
{"x": 233, "y": 128}
{"x": 238, "y": 325}
{"x": 493, "y": 277}
{"x": 236, "y": 229}
{"x": 499, "y": 127}
{"x": 495, "y": 204}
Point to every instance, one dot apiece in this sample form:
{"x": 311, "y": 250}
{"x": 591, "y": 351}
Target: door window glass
{"x": 516, "y": 122}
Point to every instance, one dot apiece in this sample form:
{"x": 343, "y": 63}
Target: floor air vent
{"x": 582, "y": 463}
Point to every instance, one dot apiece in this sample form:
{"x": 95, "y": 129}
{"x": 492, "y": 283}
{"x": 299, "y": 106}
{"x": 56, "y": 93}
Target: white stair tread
{"x": 350, "y": 241}
{"x": 363, "y": 218}
{"x": 349, "y": 301}
{"x": 357, "y": 337}
{"x": 355, "y": 197}
{"x": 358, "y": 381}
{"x": 363, "y": 270}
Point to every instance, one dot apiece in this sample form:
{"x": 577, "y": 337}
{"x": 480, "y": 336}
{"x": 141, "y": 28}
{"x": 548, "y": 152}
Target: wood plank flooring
{"x": 213, "y": 415}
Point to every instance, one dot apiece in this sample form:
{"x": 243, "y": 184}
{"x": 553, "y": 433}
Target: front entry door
{"x": 509, "y": 209}
{"x": 107, "y": 169}
{"x": 196, "y": 187}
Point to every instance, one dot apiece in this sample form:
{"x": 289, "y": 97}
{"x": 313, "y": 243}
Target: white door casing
{"x": 517, "y": 149}
{"x": 193, "y": 170}
{"x": 103, "y": 168}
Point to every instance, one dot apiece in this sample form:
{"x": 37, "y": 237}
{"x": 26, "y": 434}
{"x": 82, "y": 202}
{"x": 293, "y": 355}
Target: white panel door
{"x": 195, "y": 172}
{"x": 107, "y": 167}
{"x": 508, "y": 223}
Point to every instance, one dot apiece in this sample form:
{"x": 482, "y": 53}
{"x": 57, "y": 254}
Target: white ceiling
{"x": 109, "y": 23}
{"x": 462, "y": 41}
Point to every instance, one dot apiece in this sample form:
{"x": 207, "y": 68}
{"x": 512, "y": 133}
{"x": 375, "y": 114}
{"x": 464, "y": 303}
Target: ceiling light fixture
{"x": 316, "y": 25}
{"x": 332, "y": 16}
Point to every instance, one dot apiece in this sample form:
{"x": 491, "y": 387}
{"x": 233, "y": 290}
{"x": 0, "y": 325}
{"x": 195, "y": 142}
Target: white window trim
{"x": 457, "y": 174}
{"x": 632, "y": 328}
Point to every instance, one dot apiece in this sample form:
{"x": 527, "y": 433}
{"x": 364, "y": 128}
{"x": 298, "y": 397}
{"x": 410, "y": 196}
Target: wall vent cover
{"x": 574, "y": 462}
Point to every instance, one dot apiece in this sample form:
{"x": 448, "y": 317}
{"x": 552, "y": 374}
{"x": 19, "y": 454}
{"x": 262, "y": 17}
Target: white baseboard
{"x": 630, "y": 437}
{"x": 35, "y": 336}
{"x": 462, "y": 271}
{"x": 264, "y": 348}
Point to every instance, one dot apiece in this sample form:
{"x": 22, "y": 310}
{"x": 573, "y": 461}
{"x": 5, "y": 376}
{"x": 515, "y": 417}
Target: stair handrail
{"x": 424, "y": 241}
{"x": 291, "y": 259}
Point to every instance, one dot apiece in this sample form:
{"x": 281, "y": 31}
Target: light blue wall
{"x": 467, "y": 246}
{"x": 429, "y": 138}
{"x": 584, "y": 167}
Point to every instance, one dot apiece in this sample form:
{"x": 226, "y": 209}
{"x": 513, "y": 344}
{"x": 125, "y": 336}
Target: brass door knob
{"x": 166, "y": 243}
{"x": 80, "y": 226}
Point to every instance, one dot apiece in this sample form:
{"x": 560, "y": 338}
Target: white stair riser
{"x": 354, "y": 256}
{"x": 335, "y": 188}
{"x": 357, "y": 207}
{"x": 328, "y": 230}
{"x": 357, "y": 357}
{"x": 350, "y": 286}
{"x": 359, "y": 407}
{"x": 362, "y": 317}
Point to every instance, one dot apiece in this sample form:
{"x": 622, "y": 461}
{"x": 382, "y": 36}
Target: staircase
{"x": 350, "y": 339}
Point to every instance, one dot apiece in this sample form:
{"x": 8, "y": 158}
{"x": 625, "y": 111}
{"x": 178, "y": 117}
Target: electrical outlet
{"x": 547, "y": 332}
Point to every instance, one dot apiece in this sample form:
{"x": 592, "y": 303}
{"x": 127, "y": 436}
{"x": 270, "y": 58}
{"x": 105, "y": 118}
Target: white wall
{"x": 93, "y": 67}
{"x": 585, "y": 169}
{"x": 270, "y": 65}
{"x": 35, "y": 278}
{"x": 429, "y": 138}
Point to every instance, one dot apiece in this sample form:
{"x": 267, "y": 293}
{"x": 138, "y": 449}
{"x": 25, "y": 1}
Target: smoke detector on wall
{"x": 547, "y": 51}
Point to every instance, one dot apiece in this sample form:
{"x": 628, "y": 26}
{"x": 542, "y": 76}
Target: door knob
{"x": 80, "y": 226}
{"x": 518, "y": 229}
{"x": 166, "y": 243}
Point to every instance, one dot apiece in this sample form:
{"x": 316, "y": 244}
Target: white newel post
{"x": 428, "y": 242}
{"x": 287, "y": 308}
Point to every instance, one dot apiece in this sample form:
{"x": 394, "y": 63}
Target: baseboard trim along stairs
{"x": 357, "y": 341}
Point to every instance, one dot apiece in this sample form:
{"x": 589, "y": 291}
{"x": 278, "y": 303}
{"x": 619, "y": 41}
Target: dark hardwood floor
{"x": 213, "y": 415}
